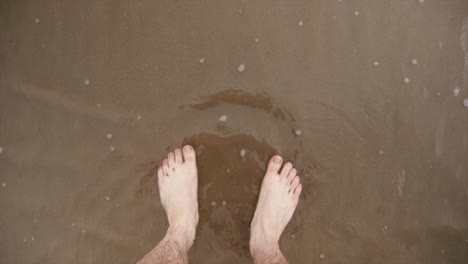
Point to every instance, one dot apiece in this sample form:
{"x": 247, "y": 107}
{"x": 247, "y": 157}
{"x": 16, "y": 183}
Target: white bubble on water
{"x": 456, "y": 91}
{"x": 112, "y": 148}
{"x": 87, "y": 82}
{"x": 414, "y": 61}
{"x": 322, "y": 256}
{"x": 138, "y": 117}
{"x": 376, "y": 63}
{"x": 202, "y": 60}
{"x": 241, "y": 68}
{"x": 243, "y": 152}
{"x": 108, "y": 198}
{"x": 1, "y": 150}
{"x": 465, "y": 102}
{"x": 300, "y": 23}
{"x": 4, "y": 184}
{"x": 356, "y": 13}
{"x": 406, "y": 80}
{"x": 109, "y": 136}
{"x": 223, "y": 118}
{"x": 298, "y": 132}
{"x": 37, "y": 20}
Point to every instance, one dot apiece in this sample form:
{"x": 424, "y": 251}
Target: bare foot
{"x": 178, "y": 183}
{"x": 278, "y": 199}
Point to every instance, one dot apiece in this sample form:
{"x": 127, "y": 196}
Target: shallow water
{"x": 370, "y": 85}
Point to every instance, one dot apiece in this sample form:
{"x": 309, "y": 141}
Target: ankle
{"x": 261, "y": 240}
{"x": 263, "y": 252}
{"x": 184, "y": 219}
{"x": 262, "y": 234}
{"x": 255, "y": 246}
{"x": 182, "y": 235}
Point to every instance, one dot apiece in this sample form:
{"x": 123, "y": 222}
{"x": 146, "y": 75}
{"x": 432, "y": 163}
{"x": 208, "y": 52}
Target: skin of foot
{"x": 279, "y": 196}
{"x": 178, "y": 184}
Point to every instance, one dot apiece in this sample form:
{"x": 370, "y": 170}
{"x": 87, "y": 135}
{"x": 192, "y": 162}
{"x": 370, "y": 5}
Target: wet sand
{"x": 365, "y": 97}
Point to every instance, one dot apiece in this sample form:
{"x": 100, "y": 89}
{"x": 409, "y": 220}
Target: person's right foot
{"x": 278, "y": 199}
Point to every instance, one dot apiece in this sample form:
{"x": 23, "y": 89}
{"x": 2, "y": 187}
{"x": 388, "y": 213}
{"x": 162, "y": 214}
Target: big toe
{"x": 275, "y": 164}
{"x": 189, "y": 153}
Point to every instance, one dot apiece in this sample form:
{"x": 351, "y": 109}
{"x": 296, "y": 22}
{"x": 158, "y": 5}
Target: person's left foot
{"x": 178, "y": 183}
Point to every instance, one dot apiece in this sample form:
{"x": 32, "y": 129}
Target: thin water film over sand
{"x": 368, "y": 98}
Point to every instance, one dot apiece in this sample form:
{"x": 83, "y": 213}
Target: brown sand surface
{"x": 94, "y": 93}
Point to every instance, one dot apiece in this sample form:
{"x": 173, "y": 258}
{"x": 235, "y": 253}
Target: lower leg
{"x": 172, "y": 249}
{"x": 278, "y": 199}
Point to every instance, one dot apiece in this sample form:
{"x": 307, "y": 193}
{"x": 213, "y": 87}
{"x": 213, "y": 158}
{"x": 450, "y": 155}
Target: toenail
{"x": 188, "y": 148}
{"x": 277, "y": 159}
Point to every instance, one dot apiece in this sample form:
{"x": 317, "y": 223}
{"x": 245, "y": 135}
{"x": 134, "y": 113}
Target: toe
{"x": 178, "y": 156}
{"x": 165, "y": 166}
{"x": 189, "y": 153}
{"x": 294, "y": 184}
{"x": 286, "y": 169}
{"x": 291, "y": 175}
{"x": 274, "y": 164}
{"x": 161, "y": 174}
{"x": 171, "y": 159}
{"x": 297, "y": 191}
